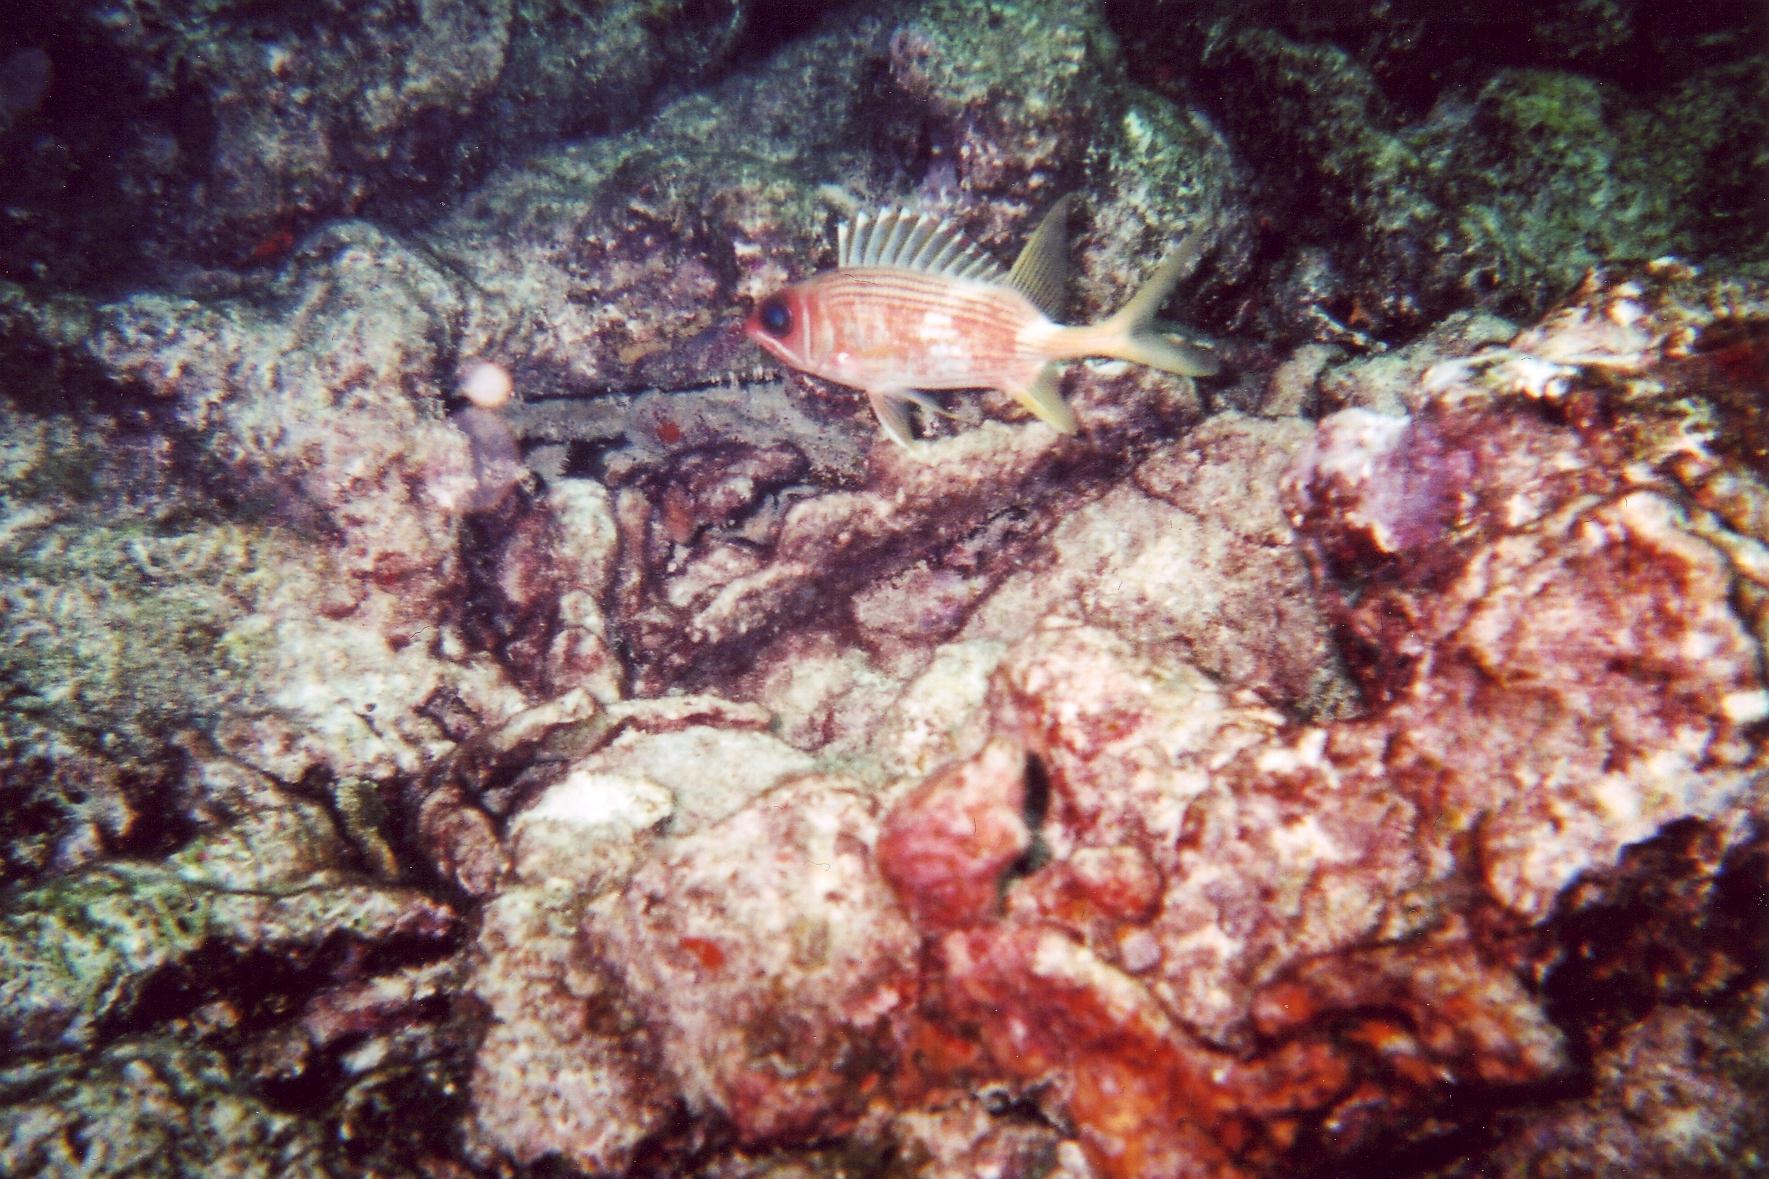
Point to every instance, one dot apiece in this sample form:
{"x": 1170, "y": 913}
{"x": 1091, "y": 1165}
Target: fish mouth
{"x": 752, "y": 328}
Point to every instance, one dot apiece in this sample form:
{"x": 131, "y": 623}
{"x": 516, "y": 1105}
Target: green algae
{"x": 149, "y": 1108}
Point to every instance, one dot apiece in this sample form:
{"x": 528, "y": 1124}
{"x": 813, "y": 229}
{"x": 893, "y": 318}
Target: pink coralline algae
{"x": 1198, "y": 935}
{"x": 1561, "y": 624}
{"x": 947, "y": 847}
{"x": 774, "y": 978}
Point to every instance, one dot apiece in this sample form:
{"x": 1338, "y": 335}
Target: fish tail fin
{"x": 1133, "y": 333}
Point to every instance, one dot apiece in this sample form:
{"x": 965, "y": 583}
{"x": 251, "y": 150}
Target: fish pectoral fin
{"x": 892, "y": 408}
{"x": 1042, "y": 395}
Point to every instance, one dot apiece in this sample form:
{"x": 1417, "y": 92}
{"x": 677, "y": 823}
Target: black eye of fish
{"x": 776, "y": 319}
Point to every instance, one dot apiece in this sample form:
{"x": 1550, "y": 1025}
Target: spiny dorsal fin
{"x": 913, "y": 241}
{"x": 1041, "y": 272}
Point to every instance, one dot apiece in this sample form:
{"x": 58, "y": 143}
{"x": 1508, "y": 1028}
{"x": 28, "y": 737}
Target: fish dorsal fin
{"x": 1041, "y": 272}
{"x": 913, "y": 241}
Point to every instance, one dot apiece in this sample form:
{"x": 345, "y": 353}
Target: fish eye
{"x": 775, "y": 319}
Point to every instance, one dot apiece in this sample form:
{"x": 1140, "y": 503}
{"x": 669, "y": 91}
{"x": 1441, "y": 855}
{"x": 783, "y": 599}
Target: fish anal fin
{"x": 1041, "y": 272}
{"x": 1041, "y": 393}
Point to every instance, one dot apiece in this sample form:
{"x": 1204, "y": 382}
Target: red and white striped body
{"x": 878, "y": 328}
{"x": 911, "y": 306}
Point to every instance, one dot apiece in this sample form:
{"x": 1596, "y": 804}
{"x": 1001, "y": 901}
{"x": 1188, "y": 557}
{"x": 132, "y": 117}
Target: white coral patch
{"x": 585, "y": 799}
{"x": 1210, "y": 941}
{"x": 1744, "y": 708}
{"x": 582, "y": 828}
{"x": 1698, "y": 645}
{"x": 1542, "y": 379}
{"x": 1138, "y": 951}
{"x": 1348, "y": 445}
{"x": 1618, "y": 797}
{"x": 1305, "y": 754}
{"x": 1136, "y": 129}
{"x": 1305, "y": 842}
{"x": 1626, "y": 312}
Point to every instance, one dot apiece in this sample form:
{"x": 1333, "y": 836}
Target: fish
{"x": 912, "y": 307}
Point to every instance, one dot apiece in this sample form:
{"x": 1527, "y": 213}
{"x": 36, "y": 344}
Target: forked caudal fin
{"x": 1133, "y": 334}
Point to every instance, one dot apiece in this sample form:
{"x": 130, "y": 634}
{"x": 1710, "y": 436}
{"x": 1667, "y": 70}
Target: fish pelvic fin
{"x": 892, "y": 408}
{"x": 1040, "y": 393}
{"x": 1135, "y": 335}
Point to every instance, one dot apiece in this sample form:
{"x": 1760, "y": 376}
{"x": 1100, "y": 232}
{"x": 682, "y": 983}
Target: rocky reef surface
{"x": 1350, "y": 764}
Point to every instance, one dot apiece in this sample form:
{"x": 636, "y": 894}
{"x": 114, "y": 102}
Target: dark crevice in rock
{"x": 264, "y": 986}
{"x": 664, "y": 658}
{"x": 1473, "y": 1121}
{"x": 65, "y": 157}
{"x": 770, "y": 25}
{"x": 1672, "y": 923}
{"x": 672, "y": 1149}
{"x": 314, "y": 1089}
{"x": 1034, "y": 809}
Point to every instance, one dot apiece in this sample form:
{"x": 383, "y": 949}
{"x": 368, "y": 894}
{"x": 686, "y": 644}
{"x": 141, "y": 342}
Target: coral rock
{"x": 945, "y": 849}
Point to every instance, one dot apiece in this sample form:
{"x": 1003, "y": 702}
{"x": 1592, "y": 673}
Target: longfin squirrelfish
{"x": 912, "y": 306}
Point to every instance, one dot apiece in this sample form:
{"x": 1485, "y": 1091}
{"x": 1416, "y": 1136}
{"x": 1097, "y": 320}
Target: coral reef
{"x": 1205, "y": 935}
{"x": 217, "y": 134}
{"x": 1420, "y": 178}
{"x": 146, "y": 1107}
{"x": 462, "y": 714}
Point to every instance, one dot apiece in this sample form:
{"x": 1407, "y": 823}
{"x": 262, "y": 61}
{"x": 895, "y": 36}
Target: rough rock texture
{"x": 1411, "y": 176}
{"x": 1350, "y": 763}
{"x": 147, "y": 1107}
{"x": 219, "y": 576}
{"x": 164, "y": 663}
{"x": 1210, "y": 939}
{"x": 233, "y": 128}
{"x": 358, "y": 329}
{"x": 86, "y": 950}
{"x": 1689, "y": 1087}
{"x": 548, "y": 1080}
